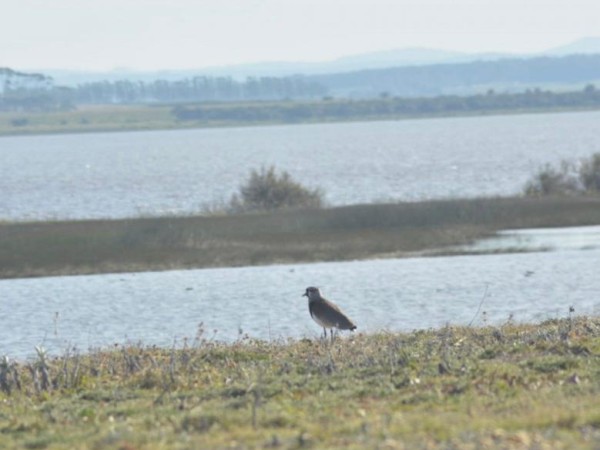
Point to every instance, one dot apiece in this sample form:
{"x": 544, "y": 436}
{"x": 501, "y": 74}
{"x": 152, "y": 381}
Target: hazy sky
{"x": 177, "y": 34}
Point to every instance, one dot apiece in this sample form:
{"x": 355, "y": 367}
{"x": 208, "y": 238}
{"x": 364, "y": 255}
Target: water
{"x": 265, "y": 302}
{"x": 110, "y": 175}
{"x": 539, "y": 239}
{"x": 128, "y": 174}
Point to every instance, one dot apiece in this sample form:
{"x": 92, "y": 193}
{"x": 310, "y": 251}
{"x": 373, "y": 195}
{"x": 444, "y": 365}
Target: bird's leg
{"x": 331, "y": 333}
{"x": 325, "y": 333}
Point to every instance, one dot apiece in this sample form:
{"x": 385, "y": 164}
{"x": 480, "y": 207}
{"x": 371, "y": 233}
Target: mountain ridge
{"x": 382, "y": 59}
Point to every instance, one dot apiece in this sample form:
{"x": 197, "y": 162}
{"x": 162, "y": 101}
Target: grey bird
{"x": 326, "y": 313}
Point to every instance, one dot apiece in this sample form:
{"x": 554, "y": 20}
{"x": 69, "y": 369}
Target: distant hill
{"x": 507, "y": 75}
{"x": 352, "y": 63}
{"x": 588, "y": 45}
{"x": 365, "y": 61}
{"x": 454, "y": 73}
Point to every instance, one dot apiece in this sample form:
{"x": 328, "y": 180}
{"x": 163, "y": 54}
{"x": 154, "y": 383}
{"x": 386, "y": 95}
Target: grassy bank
{"x": 99, "y": 118}
{"x": 344, "y": 233}
{"x": 512, "y": 387}
{"x": 88, "y": 119}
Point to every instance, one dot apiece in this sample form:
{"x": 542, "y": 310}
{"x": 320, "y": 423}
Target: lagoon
{"x": 152, "y": 173}
{"x": 167, "y": 308}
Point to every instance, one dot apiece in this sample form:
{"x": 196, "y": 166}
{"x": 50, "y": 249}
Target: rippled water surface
{"x": 540, "y": 239}
{"x": 156, "y": 172}
{"x": 265, "y": 302}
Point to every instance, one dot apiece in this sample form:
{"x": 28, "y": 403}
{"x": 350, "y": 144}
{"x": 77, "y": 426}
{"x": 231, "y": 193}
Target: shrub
{"x": 265, "y": 190}
{"x": 568, "y": 179}
{"x": 551, "y": 181}
{"x": 589, "y": 173}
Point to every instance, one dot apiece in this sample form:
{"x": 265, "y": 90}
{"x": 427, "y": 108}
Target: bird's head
{"x": 312, "y": 293}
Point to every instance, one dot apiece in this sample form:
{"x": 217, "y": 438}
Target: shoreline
{"x": 129, "y": 123}
{"x": 357, "y": 232}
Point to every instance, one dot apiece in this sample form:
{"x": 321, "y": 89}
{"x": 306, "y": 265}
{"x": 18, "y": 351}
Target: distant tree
{"x": 589, "y": 173}
{"x": 551, "y": 181}
{"x": 265, "y": 190}
{"x": 569, "y": 178}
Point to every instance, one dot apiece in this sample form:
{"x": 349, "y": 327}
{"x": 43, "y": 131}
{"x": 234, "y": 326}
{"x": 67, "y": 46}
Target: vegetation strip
{"x": 513, "y": 386}
{"x": 287, "y": 236}
{"x": 96, "y": 118}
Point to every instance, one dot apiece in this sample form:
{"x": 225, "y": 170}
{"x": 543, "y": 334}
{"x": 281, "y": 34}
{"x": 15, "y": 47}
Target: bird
{"x": 326, "y": 313}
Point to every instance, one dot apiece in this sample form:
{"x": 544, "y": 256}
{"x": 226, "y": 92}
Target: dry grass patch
{"x": 299, "y": 235}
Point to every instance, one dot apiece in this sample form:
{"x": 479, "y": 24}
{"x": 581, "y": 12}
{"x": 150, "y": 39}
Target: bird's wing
{"x": 328, "y": 313}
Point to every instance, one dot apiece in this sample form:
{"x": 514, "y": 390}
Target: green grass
{"x": 335, "y": 234}
{"x": 512, "y": 386}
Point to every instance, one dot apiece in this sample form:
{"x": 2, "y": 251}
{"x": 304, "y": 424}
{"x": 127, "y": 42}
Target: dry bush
{"x": 589, "y": 173}
{"x": 265, "y": 190}
{"x": 568, "y": 179}
{"x": 551, "y": 181}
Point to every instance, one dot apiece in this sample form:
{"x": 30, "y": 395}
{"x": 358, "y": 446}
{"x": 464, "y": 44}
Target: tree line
{"x": 385, "y": 106}
{"x": 197, "y": 89}
{"x": 23, "y": 92}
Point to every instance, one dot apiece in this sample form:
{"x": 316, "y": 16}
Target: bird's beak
{"x": 304, "y": 295}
